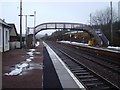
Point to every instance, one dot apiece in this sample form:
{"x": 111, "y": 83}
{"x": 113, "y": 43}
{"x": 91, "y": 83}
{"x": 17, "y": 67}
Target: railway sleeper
{"x": 100, "y": 88}
{"x": 117, "y": 69}
{"x": 94, "y": 84}
{"x": 64, "y": 58}
{"x": 78, "y": 71}
{"x": 83, "y": 73}
{"x": 89, "y": 79}
{"x": 74, "y": 69}
{"x": 71, "y": 64}
{"x": 67, "y": 61}
{"x": 86, "y": 76}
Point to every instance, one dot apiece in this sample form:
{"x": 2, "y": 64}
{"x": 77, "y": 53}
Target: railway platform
{"x": 65, "y": 76}
{"x": 45, "y": 70}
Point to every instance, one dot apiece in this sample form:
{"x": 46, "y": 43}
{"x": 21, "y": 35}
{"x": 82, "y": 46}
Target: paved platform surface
{"x": 30, "y": 77}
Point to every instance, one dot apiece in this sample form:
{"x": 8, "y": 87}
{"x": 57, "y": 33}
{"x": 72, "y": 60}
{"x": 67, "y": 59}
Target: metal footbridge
{"x": 97, "y": 33}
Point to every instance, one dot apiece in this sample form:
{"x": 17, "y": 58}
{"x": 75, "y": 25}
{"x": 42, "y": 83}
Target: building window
{"x": 6, "y": 35}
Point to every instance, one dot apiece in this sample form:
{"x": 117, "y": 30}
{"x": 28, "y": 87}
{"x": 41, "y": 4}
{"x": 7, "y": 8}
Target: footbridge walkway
{"x": 97, "y": 33}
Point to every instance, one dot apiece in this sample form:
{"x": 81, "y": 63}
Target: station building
{"x": 4, "y": 36}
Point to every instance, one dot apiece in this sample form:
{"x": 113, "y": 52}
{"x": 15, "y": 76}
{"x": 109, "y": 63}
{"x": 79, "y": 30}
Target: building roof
{"x": 4, "y": 23}
{"x": 13, "y": 30}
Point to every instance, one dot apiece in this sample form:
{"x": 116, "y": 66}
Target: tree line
{"x": 102, "y": 19}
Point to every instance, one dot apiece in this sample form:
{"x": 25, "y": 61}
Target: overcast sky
{"x": 77, "y": 11}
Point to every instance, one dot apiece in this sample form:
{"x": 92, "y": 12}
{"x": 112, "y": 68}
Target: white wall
{"x": 0, "y": 57}
{"x": 6, "y": 39}
{"x": 12, "y": 45}
{"x": 1, "y": 42}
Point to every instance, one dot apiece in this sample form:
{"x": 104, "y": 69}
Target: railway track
{"x": 90, "y": 79}
{"x": 111, "y": 62}
{"x": 107, "y": 63}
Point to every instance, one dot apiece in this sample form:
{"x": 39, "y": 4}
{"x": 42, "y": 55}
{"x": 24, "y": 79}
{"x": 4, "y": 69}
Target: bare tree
{"x": 103, "y": 17}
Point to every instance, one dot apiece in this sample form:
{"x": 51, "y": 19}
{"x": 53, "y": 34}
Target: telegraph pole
{"x": 26, "y": 31}
{"x": 20, "y": 23}
{"x": 34, "y": 29}
{"x": 90, "y": 19}
{"x": 111, "y": 24}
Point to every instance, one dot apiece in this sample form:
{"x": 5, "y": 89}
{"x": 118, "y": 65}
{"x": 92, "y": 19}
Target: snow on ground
{"x": 37, "y": 44}
{"x": 28, "y": 60}
{"x": 23, "y": 65}
{"x": 37, "y": 52}
{"x": 112, "y": 47}
{"x": 85, "y": 44}
{"x": 74, "y": 43}
{"x": 31, "y": 58}
{"x": 31, "y": 50}
{"x": 30, "y": 54}
{"x": 18, "y": 69}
